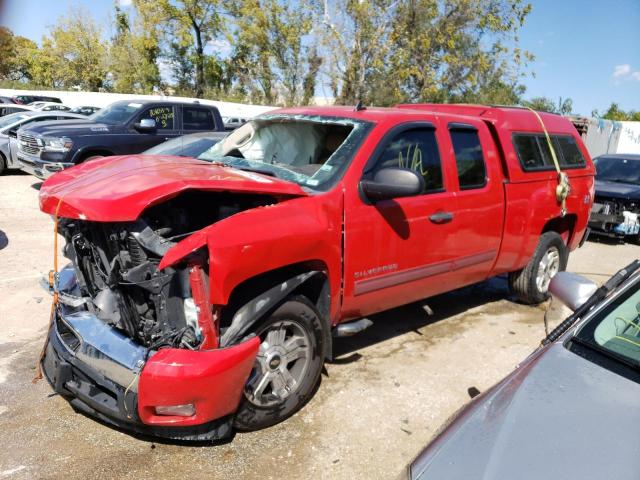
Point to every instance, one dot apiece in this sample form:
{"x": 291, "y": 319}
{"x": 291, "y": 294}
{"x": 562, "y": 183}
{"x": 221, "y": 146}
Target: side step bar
{"x": 351, "y": 328}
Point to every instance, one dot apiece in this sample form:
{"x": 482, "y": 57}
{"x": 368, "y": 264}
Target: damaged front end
{"x": 615, "y": 217}
{"x": 137, "y": 346}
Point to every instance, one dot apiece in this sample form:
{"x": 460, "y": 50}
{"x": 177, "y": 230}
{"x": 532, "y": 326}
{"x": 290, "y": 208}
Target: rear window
{"x": 534, "y": 153}
{"x": 469, "y": 159}
{"x": 194, "y": 118}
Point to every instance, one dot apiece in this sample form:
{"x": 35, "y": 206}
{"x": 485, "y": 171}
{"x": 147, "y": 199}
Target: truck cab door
{"x": 480, "y": 203}
{"x": 166, "y": 128}
{"x": 398, "y": 251}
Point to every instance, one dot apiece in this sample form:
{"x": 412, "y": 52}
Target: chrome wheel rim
{"x": 281, "y": 364}
{"x": 547, "y": 268}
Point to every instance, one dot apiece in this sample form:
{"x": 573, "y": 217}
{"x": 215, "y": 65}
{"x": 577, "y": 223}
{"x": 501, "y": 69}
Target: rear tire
{"x": 287, "y": 368}
{"x": 530, "y": 285}
{"x": 3, "y": 164}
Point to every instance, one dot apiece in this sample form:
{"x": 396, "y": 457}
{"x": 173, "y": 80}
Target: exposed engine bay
{"x": 116, "y": 266}
{"x": 615, "y": 217}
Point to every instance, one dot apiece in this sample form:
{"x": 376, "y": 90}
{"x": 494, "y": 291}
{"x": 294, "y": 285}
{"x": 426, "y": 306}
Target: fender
{"x": 295, "y": 231}
{"x": 82, "y": 151}
{"x": 249, "y": 314}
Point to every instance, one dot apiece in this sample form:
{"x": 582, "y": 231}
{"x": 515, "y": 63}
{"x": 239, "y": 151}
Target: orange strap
{"x": 52, "y": 281}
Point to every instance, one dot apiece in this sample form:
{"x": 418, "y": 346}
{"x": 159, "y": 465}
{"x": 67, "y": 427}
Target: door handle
{"x": 441, "y": 217}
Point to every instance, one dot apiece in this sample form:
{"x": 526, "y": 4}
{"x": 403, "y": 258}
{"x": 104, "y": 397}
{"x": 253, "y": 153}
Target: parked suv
{"x": 123, "y": 127}
{"x": 9, "y": 126}
{"x": 204, "y": 294}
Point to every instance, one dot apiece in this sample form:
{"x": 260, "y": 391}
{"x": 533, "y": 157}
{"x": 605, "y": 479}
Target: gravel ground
{"x": 378, "y": 404}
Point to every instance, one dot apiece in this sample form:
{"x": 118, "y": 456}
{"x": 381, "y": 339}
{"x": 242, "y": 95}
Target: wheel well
{"x": 93, "y": 153}
{"x": 563, "y": 226}
{"x": 314, "y": 289}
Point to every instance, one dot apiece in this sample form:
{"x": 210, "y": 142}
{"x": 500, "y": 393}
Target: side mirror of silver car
{"x": 571, "y": 289}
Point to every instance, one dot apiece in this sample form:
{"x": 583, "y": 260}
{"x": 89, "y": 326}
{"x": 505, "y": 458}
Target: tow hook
{"x": 351, "y": 328}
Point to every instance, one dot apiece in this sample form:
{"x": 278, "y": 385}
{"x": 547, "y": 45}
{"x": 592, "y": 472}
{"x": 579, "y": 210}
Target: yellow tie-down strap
{"x": 564, "y": 187}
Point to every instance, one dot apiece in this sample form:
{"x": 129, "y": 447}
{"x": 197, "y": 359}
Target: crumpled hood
{"x": 79, "y": 127}
{"x": 118, "y": 189}
{"x": 622, "y": 191}
{"x": 558, "y": 416}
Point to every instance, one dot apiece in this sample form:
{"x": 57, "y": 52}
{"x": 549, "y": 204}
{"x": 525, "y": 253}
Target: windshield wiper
{"x": 600, "y": 294}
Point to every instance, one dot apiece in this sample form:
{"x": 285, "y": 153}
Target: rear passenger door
{"x": 398, "y": 251}
{"x": 197, "y": 119}
{"x": 479, "y": 210}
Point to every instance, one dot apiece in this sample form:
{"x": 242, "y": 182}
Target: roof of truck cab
{"x": 510, "y": 118}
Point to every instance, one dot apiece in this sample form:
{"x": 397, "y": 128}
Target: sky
{"x": 587, "y": 50}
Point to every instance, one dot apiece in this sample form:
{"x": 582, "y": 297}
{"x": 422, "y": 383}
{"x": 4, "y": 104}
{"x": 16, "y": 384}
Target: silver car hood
{"x": 558, "y": 416}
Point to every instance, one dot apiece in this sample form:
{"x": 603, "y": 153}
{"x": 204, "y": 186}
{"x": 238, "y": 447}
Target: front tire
{"x": 3, "y": 164}
{"x": 287, "y": 367}
{"x": 531, "y": 284}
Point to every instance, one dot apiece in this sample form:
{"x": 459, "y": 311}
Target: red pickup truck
{"x": 203, "y": 294}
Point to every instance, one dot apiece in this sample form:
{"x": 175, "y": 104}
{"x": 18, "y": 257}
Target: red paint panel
{"x": 211, "y": 380}
{"x": 118, "y": 189}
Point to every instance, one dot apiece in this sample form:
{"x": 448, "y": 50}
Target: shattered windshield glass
{"x": 310, "y": 151}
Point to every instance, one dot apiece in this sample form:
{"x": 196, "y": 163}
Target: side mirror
{"x": 390, "y": 183}
{"x": 571, "y": 289}
{"x": 146, "y": 125}
{"x": 13, "y": 133}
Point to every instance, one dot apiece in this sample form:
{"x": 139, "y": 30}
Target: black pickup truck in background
{"x": 124, "y": 127}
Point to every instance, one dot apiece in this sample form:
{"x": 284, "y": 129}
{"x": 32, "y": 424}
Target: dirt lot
{"x": 379, "y": 403}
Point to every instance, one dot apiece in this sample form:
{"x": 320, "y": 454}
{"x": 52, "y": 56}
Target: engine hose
{"x": 563, "y": 189}
{"x": 601, "y": 293}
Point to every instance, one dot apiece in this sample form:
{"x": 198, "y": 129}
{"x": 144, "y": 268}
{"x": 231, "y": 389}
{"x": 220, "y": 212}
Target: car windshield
{"x": 616, "y": 329}
{"x": 310, "y": 151}
{"x": 183, "y": 146}
{"x": 621, "y": 170}
{"x": 116, "y": 113}
{"x": 11, "y": 119}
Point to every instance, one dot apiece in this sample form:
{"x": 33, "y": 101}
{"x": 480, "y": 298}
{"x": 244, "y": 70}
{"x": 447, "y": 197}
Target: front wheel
{"x": 287, "y": 367}
{"x": 531, "y": 284}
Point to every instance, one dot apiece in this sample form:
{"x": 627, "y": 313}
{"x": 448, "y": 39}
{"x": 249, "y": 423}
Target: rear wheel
{"x": 531, "y": 284}
{"x": 287, "y": 367}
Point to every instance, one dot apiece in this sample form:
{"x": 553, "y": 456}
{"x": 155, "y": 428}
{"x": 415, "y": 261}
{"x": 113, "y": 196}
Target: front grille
{"x": 608, "y": 207}
{"x": 28, "y": 144}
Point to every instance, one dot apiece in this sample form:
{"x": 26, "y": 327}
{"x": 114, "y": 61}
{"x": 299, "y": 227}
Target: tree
{"x": 7, "y": 52}
{"x": 542, "y": 104}
{"x": 195, "y": 23}
{"x": 614, "y": 112}
{"x": 74, "y": 55}
{"x": 426, "y": 50}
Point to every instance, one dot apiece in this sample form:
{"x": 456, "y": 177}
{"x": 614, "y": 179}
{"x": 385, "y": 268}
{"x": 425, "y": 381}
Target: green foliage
{"x": 279, "y": 52}
{"x": 614, "y": 112}
{"x": 545, "y": 104}
{"x": 427, "y": 50}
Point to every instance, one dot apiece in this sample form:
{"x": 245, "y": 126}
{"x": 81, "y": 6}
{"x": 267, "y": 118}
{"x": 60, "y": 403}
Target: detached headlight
{"x": 62, "y": 144}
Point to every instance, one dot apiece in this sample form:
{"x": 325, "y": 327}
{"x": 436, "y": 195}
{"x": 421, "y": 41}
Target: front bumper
{"x": 106, "y": 375}
{"x": 42, "y": 169}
